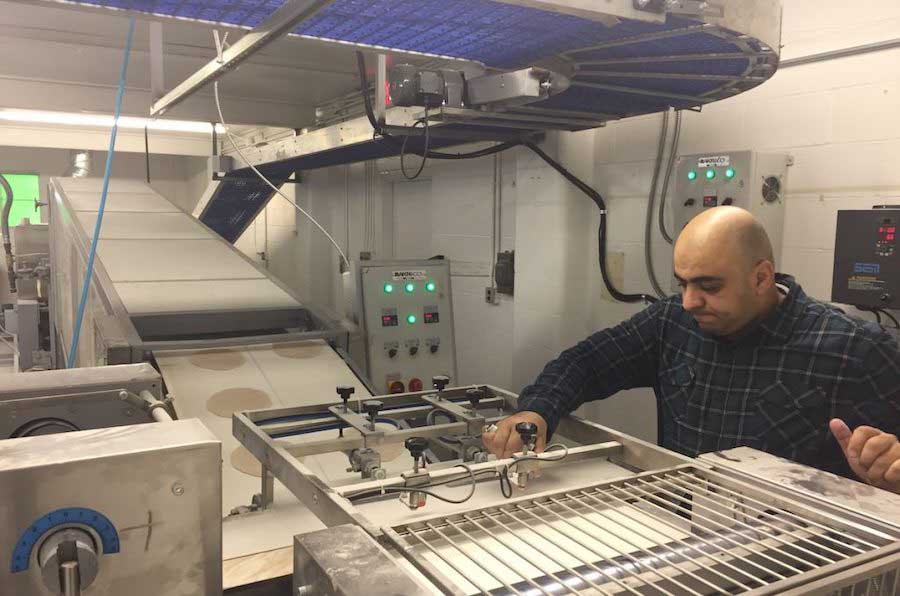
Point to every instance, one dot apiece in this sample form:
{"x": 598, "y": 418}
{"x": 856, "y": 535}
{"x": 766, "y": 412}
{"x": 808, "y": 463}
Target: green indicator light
{"x": 692, "y": 175}
{"x": 388, "y": 288}
{"x": 410, "y": 288}
{"x": 729, "y": 173}
{"x": 710, "y": 174}
{"x": 430, "y": 286}
{"x": 411, "y": 319}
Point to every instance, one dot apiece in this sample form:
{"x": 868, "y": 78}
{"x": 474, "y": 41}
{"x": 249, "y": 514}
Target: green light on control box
{"x": 410, "y": 288}
{"x": 710, "y": 174}
{"x": 692, "y": 175}
{"x": 388, "y": 288}
{"x": 430, "y": 286}
{"x": 730, "y": 173}
{"x": 411, "y": 319}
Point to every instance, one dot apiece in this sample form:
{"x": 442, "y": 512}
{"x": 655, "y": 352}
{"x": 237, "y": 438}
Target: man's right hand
{"x": 505, "y": 440}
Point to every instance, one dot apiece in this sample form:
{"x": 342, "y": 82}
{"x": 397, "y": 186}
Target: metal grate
{"x": 682, "y": 531}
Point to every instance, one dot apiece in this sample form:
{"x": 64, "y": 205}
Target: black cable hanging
{"x": 572, "y": 178}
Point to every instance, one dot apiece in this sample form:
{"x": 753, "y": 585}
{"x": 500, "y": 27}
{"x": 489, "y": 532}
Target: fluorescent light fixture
{"x": 105, "y": 121}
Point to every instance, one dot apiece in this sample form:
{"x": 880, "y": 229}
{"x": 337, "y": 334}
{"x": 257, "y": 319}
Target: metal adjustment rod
{"x": 345, "y": 391}
{"x": 415, "y": 499}
{"x": 474, "y": 396}
{"x": 368, "y": 460}
{"x": 372, "y": 408}
{"x": 416, "y": 447}
{"x": 69, "y": 561}
{"x": 527, "y": 467}
{"x": 440, "y": 382}
{"x": 528, "y": 431}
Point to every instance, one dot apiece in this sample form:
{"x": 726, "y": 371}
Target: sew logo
{"x": 867, "y": 268}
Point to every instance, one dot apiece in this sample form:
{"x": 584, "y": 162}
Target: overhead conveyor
{"x": 621, "y": 58}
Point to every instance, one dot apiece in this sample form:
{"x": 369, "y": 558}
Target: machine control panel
{"x": 866, "y": 261}
{"x": 408, "y": 317}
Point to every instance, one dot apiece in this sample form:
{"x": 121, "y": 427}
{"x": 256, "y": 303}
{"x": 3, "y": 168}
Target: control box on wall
{"x": 748, "y": 179}
{"x": 866, "y": 258}
{"x": 407, "y": 315}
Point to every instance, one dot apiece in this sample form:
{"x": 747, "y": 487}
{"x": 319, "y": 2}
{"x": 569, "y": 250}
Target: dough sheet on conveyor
{"x": 206, "y": 383}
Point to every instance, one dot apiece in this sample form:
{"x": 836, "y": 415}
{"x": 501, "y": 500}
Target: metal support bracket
{"x": 474, "y": 422}
{"x": 279, "y": 23}
{"x": 371, "y": 438}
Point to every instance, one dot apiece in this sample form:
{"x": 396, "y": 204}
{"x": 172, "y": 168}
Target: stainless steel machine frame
{"x": 743, "y": 533}
{"x": 124, "y": 338}
{"x": 146, "y": 500}
{"x": 78, "y": 399}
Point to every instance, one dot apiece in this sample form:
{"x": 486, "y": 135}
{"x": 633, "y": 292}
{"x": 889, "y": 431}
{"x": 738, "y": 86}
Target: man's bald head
{"x": 731, "y": 231}
{"x": 725, "y": 264}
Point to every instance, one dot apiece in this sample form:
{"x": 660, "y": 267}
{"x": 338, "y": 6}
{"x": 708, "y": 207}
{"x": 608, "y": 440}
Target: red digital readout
{"x": 888, "y": 233}
{"x": 431, "y": 317}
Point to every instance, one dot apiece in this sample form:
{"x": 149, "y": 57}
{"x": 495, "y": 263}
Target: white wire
{"x": 266, "y": 180}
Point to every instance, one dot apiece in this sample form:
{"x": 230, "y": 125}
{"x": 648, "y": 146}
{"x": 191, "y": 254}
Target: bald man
{"x": 741, "y": 358}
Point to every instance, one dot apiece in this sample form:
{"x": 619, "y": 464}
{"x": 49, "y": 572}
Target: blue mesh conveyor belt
{"x": 506, "y": 36}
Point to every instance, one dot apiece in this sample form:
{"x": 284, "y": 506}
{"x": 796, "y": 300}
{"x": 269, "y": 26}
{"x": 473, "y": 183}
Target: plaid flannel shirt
{"x": 774, "y": 389}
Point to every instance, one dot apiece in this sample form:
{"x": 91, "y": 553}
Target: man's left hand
{"x": 873, "y": 455}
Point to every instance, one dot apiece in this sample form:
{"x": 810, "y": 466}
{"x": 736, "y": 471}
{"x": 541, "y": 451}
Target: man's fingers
{"x": 841, "y": 432}
{"x": 893, "y": 473}
{"x": 500, "y": 439}
{"x": 513, "y": 445}
{"x": 860, "y": 436}
{"x": 875, "y": 447}
{"x": 883, "y": 463}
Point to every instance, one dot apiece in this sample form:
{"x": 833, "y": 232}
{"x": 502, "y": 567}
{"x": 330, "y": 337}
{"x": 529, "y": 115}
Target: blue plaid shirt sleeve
{"x": 879, "y": 401}
{"x": 622, "y": 357}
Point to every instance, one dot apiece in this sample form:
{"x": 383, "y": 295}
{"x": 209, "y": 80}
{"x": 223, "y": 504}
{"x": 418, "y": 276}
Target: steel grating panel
{"x": 676, "y": 532}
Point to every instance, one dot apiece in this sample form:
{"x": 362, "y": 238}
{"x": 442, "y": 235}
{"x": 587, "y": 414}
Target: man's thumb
{"x": 841, "y": 432}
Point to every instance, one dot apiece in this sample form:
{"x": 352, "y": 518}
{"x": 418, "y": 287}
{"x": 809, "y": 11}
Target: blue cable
{"x": 89, "y": 272}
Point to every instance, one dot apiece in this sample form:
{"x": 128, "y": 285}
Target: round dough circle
{"x": 298, "y": 351}
{"x": 243, "y": 461}
{"x": 217, "y": 359}
{"x": 237, "y": 399}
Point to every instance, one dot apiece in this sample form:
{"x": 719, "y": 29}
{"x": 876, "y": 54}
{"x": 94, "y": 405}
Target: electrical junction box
{"x": 747, "y": 179}
{"x": 407, "y": 315}
{"x": 866, "y": 258}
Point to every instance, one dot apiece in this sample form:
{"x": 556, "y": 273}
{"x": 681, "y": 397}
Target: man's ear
{"x": 764, "y": 276}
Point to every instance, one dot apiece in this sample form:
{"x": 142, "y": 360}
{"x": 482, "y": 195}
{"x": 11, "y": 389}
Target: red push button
{"x": 397, "y": 387}
{"x": 415, "y": 384}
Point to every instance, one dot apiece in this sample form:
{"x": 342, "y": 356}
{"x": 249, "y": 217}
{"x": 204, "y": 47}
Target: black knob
{"x": 440, "y": 381}
{"x": 886, "y": 298}
{"x": 372, "y": 408}
{"x": 728, "y": 201}
{"x": 416, "y": 446}
{"x": 345, "y": 391}
{"x": 474, "y": 396}
{"x": 528, "y": 431}
{"x": 414, "y": 350}
{"x": 392, "y": 353}
{"x": 433, "y": 349}
{"x": 690, "y": 203}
